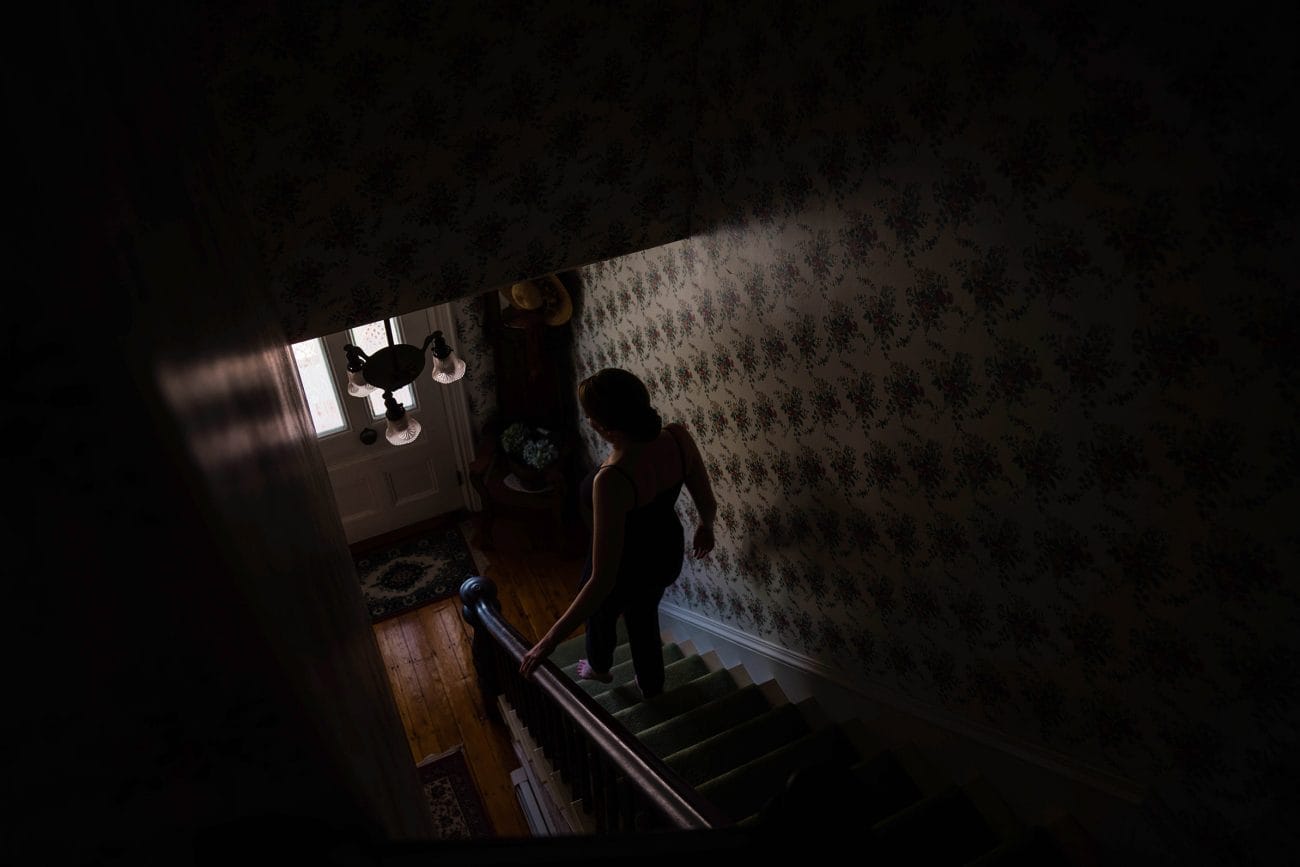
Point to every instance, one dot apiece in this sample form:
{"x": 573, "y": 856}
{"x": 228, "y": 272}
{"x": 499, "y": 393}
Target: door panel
{"x": 392, "y": 491}
{"x": 354, "y": 496}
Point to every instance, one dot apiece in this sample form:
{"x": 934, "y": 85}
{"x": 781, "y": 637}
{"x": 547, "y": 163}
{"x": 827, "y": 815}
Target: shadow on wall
{"x": 375, "y": 186}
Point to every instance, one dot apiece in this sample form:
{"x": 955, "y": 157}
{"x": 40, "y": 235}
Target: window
{"x": 318, "y": 384}
{"x": 323, "y": 374}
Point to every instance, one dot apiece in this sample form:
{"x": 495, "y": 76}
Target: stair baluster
{"x": 738, "y": 758}
{"x": 566, "y": 723}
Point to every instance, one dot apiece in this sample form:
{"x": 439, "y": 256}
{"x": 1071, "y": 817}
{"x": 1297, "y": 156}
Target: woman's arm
{"x": 610, "y": 503}
{"x": 697, "y": 482}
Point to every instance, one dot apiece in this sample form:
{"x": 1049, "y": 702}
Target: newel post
{"x": 474, "y": 590}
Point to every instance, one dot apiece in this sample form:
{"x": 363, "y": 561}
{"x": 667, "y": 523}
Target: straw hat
{"x": 525, "y": 295}
{"x": 556, "y": 303}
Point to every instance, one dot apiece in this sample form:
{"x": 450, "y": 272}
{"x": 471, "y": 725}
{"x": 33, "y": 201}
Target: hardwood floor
{"x": 427, "y": 653}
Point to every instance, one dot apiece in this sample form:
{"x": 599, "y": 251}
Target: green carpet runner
{"x": 740, "y": 743}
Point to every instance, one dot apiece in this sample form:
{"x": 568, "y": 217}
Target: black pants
{"x": 638, "y": 604}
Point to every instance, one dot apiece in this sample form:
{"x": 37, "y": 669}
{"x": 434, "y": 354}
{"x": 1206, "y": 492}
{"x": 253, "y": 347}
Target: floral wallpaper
{"x": 474, "y": 345}
{"x": 393, "y": 156}
{"x": 986, "y": 330}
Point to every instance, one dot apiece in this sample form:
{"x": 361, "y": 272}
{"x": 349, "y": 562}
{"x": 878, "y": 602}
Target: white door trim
{"x": 456, "y": 407}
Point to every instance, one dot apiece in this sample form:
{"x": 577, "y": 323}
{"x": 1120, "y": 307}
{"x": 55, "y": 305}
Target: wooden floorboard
{"x": 441, "y": 731}
{"x": 427, "y": 655}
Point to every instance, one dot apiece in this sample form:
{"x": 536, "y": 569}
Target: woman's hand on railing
{"x": 536, "y": 654}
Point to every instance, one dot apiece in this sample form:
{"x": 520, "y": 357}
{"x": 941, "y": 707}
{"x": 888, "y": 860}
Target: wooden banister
{"x": 621, "y": 783}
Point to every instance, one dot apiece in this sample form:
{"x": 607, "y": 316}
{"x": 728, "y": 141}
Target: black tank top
{"x": 653, "y": 540}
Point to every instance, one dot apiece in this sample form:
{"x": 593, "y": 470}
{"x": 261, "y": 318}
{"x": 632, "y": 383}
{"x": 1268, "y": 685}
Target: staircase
{"x": 783, "y": 769}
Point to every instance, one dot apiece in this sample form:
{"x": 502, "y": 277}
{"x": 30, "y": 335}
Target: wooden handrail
{"x": 658, "y": 786}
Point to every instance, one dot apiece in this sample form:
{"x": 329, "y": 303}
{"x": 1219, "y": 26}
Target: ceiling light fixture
{"x": 395, "y": 366}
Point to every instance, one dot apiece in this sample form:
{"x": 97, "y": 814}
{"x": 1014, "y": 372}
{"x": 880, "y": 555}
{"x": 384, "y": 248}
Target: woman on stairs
{"x": 637, "y": 540}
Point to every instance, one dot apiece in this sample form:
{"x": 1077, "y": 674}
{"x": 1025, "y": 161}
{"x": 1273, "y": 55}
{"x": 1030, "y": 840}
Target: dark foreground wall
{"x": 190, "y": 672}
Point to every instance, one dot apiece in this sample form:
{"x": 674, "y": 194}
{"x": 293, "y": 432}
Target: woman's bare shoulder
{"x": 612, "y": 486}
{"x": 681, "y": 434}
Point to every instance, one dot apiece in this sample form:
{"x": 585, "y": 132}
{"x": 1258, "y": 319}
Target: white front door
{"x": 380, "y": 487}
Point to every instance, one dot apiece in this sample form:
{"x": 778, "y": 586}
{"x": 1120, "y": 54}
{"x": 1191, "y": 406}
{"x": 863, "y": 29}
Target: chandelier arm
{"x": 440, "y": 347}
{"x": 356, "y": 355}
{"x": 432, "y": 337}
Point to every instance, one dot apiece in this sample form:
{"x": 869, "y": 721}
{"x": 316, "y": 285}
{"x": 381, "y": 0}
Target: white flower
{"x": 540, "y": 453}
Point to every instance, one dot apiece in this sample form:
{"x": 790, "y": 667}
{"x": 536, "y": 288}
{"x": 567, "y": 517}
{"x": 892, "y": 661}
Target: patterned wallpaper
{"x": 393, "y": 156}
{"x": 987, "y": 338}
{"x": 473, "y": 344}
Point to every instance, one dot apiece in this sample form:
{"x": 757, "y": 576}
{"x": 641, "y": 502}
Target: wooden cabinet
{"x": 534, "y": 366}
{"x": 535, "y": 384}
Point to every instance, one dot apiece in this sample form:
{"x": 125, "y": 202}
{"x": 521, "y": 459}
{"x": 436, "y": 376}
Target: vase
{"x": 530, "y": 478}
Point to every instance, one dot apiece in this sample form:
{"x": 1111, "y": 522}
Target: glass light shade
{"x": 448, "y": 369}
{"x": 402, "y": 431}
{"x": 357, "y": 385}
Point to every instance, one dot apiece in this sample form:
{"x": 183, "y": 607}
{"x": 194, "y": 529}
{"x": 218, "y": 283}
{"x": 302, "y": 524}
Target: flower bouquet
{"x": 530, "y": 452}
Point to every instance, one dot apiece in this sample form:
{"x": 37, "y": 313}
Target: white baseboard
{"x": 539, "y": 824}
{"x": 1025, "y": 773}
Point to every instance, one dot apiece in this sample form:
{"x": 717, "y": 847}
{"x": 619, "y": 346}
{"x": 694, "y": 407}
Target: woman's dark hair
{"x": 618, "y": 400}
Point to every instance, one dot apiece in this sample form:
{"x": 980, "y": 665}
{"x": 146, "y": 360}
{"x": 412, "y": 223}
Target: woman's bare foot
{"x": 586, "y": 672}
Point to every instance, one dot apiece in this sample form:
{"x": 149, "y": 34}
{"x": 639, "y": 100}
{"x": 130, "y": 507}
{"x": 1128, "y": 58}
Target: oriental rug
{"x": 414, "y": 570}
{"x": 454, "y": 800}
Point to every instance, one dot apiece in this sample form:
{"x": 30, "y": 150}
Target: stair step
{"x": 622, "y": 653}
{"x": 866, "y": 742}
{"x": 887, "y": 787}
{"x": 677, "y": 700}
{"x": 742, "y": 745}
{"x": 821, "y": 796}
{"x": 993, "y": 808}
{"x": 622, "y": 671}
{"x": 706, "y": 720}
{"x": 911, "y": 833}
{"x": 627, "y": 695}
{"x": 568, "y": 652}
{"x": 1056, "y": 842}
{"x": 928, "y": 778}
{"x": 746, "y": 789}
{"x": 1034, "y": 848}
{"x": 739, "y": 744}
